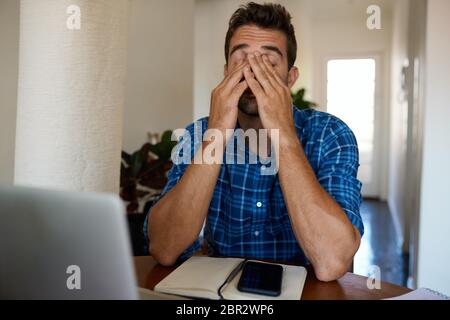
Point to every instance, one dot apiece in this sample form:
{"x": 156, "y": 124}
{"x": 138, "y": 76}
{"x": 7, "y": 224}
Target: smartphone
{"x": 261, "y": 278}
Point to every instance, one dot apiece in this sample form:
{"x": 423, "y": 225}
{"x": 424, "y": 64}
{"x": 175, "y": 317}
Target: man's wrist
{"x": 288, "y": 140}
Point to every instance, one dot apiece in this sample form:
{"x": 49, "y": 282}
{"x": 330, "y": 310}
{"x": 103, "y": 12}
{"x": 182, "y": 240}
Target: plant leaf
{"x": 126, "y": 157}
{"x": 299, "y": 101}
{"x": 136, "y": 163}
{"x": 166, "y": 136}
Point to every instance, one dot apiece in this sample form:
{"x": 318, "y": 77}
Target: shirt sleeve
{"x": 338, "y": 170}
{"x": 189, "y": 142}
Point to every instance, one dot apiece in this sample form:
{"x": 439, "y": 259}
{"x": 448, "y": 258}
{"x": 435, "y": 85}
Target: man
{"x": 307, "y": 212}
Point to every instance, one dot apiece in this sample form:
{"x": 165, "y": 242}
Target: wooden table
{"x": 349, "y": 287}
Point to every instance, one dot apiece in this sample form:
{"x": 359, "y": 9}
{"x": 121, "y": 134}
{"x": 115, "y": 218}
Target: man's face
{"x": 273, "y": 43}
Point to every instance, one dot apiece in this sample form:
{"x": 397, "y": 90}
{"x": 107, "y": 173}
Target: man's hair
{"x": 267, "y": 16}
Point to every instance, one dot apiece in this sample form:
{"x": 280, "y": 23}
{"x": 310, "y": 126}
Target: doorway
{"x": 352, "y": 95}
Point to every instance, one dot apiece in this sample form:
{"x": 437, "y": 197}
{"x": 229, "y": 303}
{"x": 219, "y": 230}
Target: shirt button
{"x": 259, "y": 204}
{"x": 256, "y": 233}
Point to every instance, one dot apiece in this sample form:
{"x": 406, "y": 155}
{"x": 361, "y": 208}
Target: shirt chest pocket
{"x": 277, "y": 219}
{"x": 237, "y": 215}
{"x": 237, "y": 221}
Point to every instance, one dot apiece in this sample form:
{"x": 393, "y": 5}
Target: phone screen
{"x": 261, "y": 278}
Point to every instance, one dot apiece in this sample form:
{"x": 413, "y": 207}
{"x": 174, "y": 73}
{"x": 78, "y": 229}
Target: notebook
{"x": 145, "y": 294}
{"x": 201, "y": 277}
{"x": 422, "y": 294}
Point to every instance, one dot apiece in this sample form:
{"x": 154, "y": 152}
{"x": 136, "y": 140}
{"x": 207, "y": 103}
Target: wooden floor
{"x": 379, "y": 245}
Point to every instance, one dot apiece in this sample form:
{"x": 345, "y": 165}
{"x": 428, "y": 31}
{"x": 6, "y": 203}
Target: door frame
{"x": 416, "y": 79}
{"x": 381, "y": 116}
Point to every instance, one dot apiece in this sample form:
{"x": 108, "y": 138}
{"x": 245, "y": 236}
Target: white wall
{"x": 9, "y": 59}
{"x": 339, "y": 30}
{"x": 434, "y": 243}
{"x": 160, "y": 69}
{"x": 211, "y": 25}
{"x": 398, "y": 115}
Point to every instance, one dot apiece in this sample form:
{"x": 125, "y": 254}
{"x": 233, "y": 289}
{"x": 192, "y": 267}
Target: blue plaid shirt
{"x": 248, "y": 216}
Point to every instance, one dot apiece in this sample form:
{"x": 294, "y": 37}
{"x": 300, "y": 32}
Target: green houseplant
{"x": 298, "y": 99}
{"x": 144, "y": 172}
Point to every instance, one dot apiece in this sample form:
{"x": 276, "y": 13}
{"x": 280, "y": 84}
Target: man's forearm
{"x": 327, "y": 237}
{"x": 176, "y": 220}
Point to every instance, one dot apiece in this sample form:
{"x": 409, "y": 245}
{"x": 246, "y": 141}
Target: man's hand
{"x": 272, "y": 95}
{"x": 225, "y": 98}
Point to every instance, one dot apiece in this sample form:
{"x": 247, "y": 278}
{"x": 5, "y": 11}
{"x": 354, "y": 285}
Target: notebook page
{"x": 198, "y": 277}
{"x": 421, "y": 294}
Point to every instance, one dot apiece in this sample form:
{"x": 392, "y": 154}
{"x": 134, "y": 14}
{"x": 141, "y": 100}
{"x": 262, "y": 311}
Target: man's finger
{"x": 254, "y": 85}
{"x": 267, "y": 72}
{"x": 270, "y": 69}
{"x": 260, "y": 73}
{"x": 239, "y": 90}
{"x": 240, "y": 65}
{"x": 235, "y": 69}
{"x": 234, "y": 78}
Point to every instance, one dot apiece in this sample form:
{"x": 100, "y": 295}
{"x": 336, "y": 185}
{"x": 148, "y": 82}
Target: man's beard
{"x": 247, "y": 104}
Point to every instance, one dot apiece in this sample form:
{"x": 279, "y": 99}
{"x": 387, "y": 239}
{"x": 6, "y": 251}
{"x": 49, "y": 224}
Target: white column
{"x": 71, "y": 95}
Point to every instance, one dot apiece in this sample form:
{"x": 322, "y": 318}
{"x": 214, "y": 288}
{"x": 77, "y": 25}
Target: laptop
{"x": 64, "y": 245}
